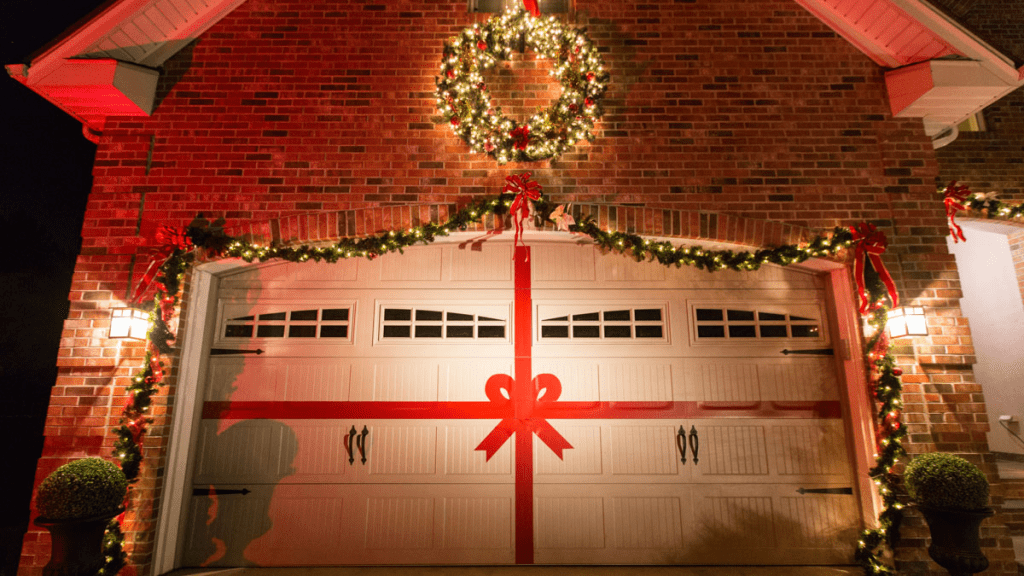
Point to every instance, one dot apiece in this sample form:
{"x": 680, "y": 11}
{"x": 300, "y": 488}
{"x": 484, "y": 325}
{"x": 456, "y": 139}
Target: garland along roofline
{"x": 212, "y": 242}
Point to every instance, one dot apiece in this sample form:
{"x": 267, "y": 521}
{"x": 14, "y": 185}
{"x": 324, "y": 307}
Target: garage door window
{"x": 612, "y": 324}
{"x": 432, "y": 323}
{"x": 746, "y": 324}
{"x": 310, "y": 323}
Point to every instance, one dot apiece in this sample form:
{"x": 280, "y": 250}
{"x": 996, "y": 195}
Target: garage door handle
{"x": 694, "y": 442}
{"x": 681, "y": 443}
{"x": 348, "y": 444}
{"x": 361, "y": 442}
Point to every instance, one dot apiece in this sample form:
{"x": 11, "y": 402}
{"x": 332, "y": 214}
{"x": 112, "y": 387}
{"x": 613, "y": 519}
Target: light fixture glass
{"x": 907, "y": 321}
{"x": 128, "y": 323}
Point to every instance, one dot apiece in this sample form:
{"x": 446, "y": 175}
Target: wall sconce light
{"x": 128, "y": 323}
{"x": 906, "y": 321}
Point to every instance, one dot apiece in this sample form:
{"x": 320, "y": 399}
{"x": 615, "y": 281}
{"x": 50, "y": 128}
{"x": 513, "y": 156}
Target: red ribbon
{"x": 531, "y": 5}
{"x": 954, "y": 198}
{"x": 167, "y": 241}
{"x": 525, "y": 191}
{"x": 508, "y": 426}
{"x": 871, "y": 243}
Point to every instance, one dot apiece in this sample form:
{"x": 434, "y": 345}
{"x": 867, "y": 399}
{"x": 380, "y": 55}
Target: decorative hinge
{"x": 816, "y": 352}
{"x": 219, "y": 491}
{"x": 825, "y": 490}
{"x": 228, "y": 351}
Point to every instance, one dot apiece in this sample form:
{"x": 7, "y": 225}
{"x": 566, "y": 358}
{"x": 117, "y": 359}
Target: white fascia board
{"x": 852, "y": 34}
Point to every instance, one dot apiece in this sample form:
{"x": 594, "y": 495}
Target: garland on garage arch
{"x": 203, "y": 240}
{"x": 959, "y": 198}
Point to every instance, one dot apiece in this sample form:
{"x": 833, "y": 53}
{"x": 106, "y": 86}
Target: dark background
{"x": 46, "y": 165}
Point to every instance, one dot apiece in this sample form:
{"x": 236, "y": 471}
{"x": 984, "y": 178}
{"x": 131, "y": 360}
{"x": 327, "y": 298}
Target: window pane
{"x": 585, "y": 331}
{"x": 336, "y": 314}
{"x": 428, "y": 331}
{"x": 773, "y": 331}
{"x": 428, "y": 315}
{"x": 554, "y": 331}
{"x": 458, "y": 332}
{"x": 741, "y": 331}
{"x": 270, "y": 331}
{"x": 801, "y": 318}
{"x": 304, "y": 315}
{"x": 647, "y": 315}
{"x": 805, "y": 331}
{"x": 243, "y": 318}
{"x": 236, "y": 331}
{"x": 452, "y": 316}
{"x": 771, "y": 317}
{"x": 490, "y": 332}
{"x": 648, "y": 331}
{"x": 706, "y": 315}
{"x": 302, "y": 331}
{"x": 486, "y": 319}
{"x": 274, "y": 316}
{"x": 617, "y": 332}
{"x": 591, "y": 317}
{"x": 741, "y": 315}
{"x": 559, "y": 319}
{"x": 397, "y": 314}
{"x": 396, "y": 331}
{"x": 711, "y": 331}
{"x": 617, "y": 315}
{"x": 330, "y": 331}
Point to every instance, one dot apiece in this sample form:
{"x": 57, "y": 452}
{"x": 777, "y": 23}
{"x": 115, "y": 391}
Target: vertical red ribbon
{"x": 871, "y": 243}
{"x": 532, "y": 6}
{"x": 954, "y": 197}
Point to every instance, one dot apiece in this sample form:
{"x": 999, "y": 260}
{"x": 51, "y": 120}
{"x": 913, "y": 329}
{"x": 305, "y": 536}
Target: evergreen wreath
{"x": 463, "y": 101}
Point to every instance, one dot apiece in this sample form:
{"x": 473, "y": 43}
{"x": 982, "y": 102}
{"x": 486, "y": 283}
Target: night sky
{"x": 47, "y": 164}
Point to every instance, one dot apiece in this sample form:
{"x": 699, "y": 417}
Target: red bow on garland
{"x": 871, "y": 243}
{"x": 954, "y": 197}
{"x": 531, "y": 5}
{"x": 167, "y": 241}
{"x": 525, "y": 191}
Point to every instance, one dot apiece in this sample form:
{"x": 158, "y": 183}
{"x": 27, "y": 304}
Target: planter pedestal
{"x": 955, "y": 539}
{"x": 76, "y": 545}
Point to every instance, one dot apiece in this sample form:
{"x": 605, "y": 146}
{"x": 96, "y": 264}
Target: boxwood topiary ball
{"x": 946, "y": 481}
{"x": 82, "y": 489}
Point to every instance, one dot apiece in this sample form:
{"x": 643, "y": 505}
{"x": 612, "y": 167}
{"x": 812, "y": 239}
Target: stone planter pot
{"x": 955, "y": 538}
{"x": 76, "y": 545}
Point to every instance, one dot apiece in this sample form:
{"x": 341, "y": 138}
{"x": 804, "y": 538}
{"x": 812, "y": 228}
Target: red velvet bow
{"x": 167, "y": 241}
{"x": 531, "y": 5}
{"x": 954, "y": 197}
{"x": 522, "y": 137}
{"x": 871, "y": 243}
{"x": 525, "y": 191}
{"x": 509, "y": 426}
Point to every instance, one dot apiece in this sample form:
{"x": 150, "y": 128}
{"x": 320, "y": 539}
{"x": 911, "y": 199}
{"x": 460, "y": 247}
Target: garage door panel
{"x": 465, "y": 464}
{"x": 277, "y": 379}
{"x": 637, "y": 381}
{"x": 798, "y": 379}
{"x": 394, "y": 449}
{"x": 813, "y": 450}
{"x": 713, "y": 380}
{"x": 466, "y": 380}
{"x": 643, "y": 449}
{"x": 407, "y": 380}
{"x": 478, "y": 523}
{"x": 580, "y": 381}
{"x": 569, "y": 523}
{"x": 245, "y": 451}
{"x": 584, "y": 460}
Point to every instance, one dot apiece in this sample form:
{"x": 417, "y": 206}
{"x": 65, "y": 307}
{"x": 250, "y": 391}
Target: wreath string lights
{"x": 463, "y": 101}
{"x": 210, "y": 241}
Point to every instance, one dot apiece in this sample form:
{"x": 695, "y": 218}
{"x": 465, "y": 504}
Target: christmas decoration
{"x": 206, "y": 240}
{"x": 871, "y": 244}
{"x": 954, "y": 197}
{"x": 985, "y": 204}
{"x": 526, "y": 192}
{"x": 463, "y": 101}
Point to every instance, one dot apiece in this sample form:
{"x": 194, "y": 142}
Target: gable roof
{"x": 108, "y": 64}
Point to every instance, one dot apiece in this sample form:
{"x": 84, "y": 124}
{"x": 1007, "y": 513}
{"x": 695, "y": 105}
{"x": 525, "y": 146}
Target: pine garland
{"x": 209, "y": 240}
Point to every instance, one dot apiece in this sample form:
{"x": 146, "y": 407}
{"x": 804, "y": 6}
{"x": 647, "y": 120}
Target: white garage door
{"x": 453, "y": 406}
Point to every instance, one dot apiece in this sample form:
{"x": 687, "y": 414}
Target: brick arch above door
{"x": 656, "y": 222}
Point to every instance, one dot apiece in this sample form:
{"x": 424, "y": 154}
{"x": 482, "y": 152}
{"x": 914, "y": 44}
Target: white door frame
{"x": 197, "y": 336}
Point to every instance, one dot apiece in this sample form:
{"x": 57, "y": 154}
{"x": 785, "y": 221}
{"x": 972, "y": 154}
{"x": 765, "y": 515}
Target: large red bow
{"x": 552, "y": 389}
{"x": 525, "y": 191}
{"x": 871, "y": 243}
{"x": 531, "y": 5}
{"x": 954, "y": 197}
{"x": 166, "y": 242}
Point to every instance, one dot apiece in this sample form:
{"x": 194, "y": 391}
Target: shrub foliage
{"x": 82, "y": 489}
{"x": 946, "y": 481}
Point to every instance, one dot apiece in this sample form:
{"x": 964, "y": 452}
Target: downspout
{"x": 945, "y": 137}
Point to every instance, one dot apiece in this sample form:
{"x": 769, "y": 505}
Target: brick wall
{"x": 751, "y": 109}
{"x": 993, "y": 159}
